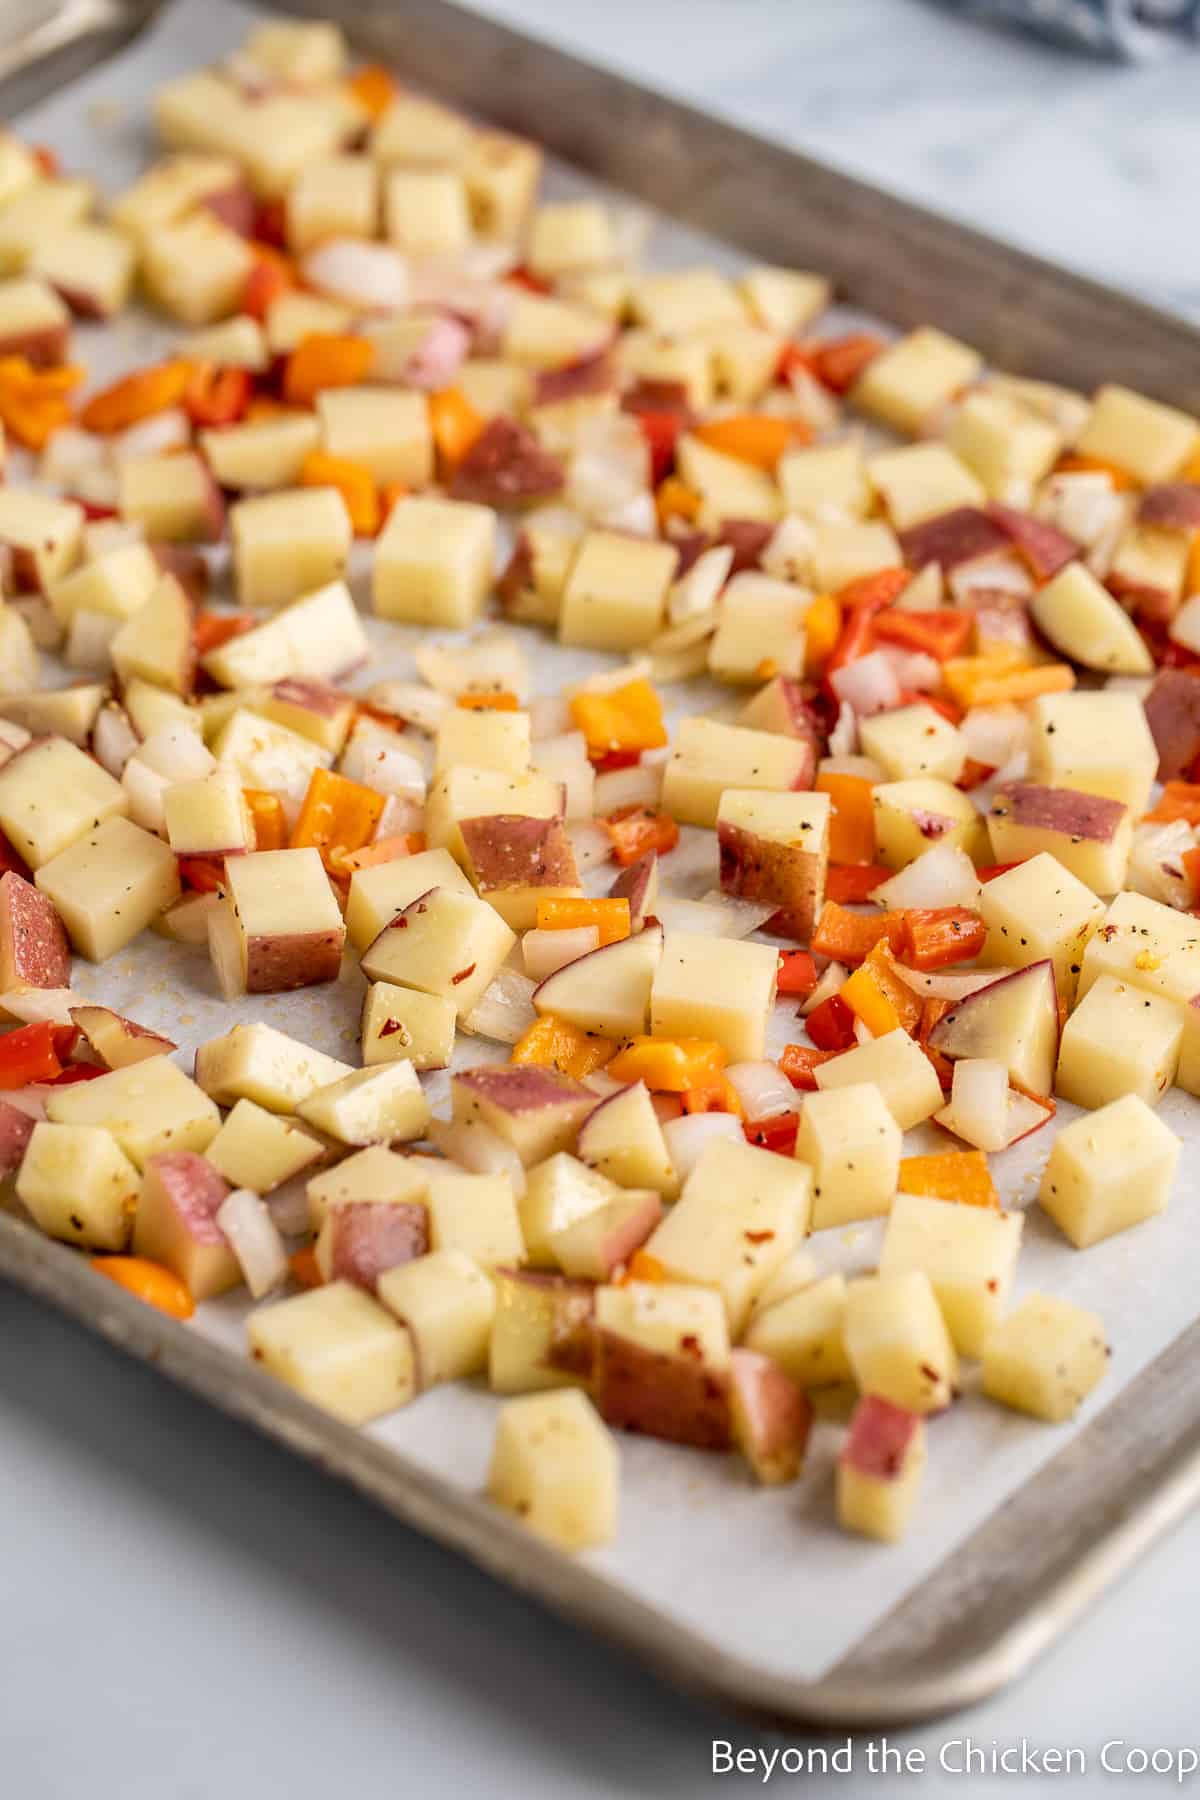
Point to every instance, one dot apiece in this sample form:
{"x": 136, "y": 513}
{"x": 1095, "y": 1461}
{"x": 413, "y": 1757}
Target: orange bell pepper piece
{"x": 137, "y": 396}
{"x": 1178, "y": 800}
{"x": 210, "y": 629}
{"x": 217, "y": 396}
{"x": 383, "y": 850}
{"x": 203, "y": 874}
{"x": 799, "y": 1063}
{"x": 353, "y": 482}
{"x": 390, "y": 495}
{"x": 908, "y": 1006}
{"x": 336, "y": 812}
{"x": 675, "y": 500}
{"x": 149, "y": 1281}
{"x": 610, "y": 917}
{"x": 374, "y": 87}
{"x": 934, "y": 937}
{"x": 455, "y": 425}
{"x": 866, "y": 999}
{"x": 624, "y": 718}
{"x": 850, "y": 884}
{"x": 34, "y": 402}
{"x": 941, "y": 634}
{"x": 642, "y": 1267}
{"x": 961, "y": 1175}
{"x": 267, "y": 818}
{"x": 1191, "y": 869}
{"x": 822, "y": 628}
{"x": 636, "y": 829}
{"x": 849, "y": 937}
{"x": 852, "y": 822}
{"x": 305, "y": 1269}
{"x": 498, "y": 702}
{"x": 716, "y": 1095}
{"x": 995, "y": 681}
{"x": 876, "y": 590}
{"x": 758, "y": 438}
{"x": 326, "y": 359}
{"x": 797, "y": 975}
{"x": 668, "y": 1065}
{"x": 839, "y": 362}
{"x": 552, "y": 1043}
{"x": 1075, "y": 463}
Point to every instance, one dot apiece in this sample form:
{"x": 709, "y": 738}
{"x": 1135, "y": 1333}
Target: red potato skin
{"x": 772, "y": 1417}
{"x": 1001, "y": 618}
{"x": 595, "y": 375}
{"x": 369, "y": 1237}
{"x": 881, "y": 1437}
{"x": 44, "y": 348}
{"x": 506, "y": 466}
{"x": 953, "y": 538}
{"x": 314, "y": 696}
{"x": 1172, "y": 505}
{"x": 1173, "y": 715}
{"x": 276, "y": 965}
{"x": 658, "y": 396}
{"x": 506, "y": 851}
{"x": 116, "y": 1040}
{"x": 631, "y": 1233}
{"x": 633, "y": 884}
{"x": 34, "y": 951}
{"x": 755, "y": 868}
{"x": 1042, "y": 547}
{"x": 194, "y": 1190}
{"x": 1076, "y": 815}
{"x": 568, "y": 1304}
{"x": 16, "y": 1129}
{"x": 235, "y": 207}
{"x": 747, "y": 538}
{"x": 188, "y": 566}
{"x": 521, "y": 1088}
{"x": 677, "y": 1398}
{"x": 83, "y": 304}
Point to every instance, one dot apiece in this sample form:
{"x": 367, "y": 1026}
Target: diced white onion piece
{"x": 504, "y": 1011}
{"x": 495, "y": 663}
{"x": 639, "y": 786}
{"x": 763, "y": 1089}
{"x": 549, "y": 716}
{"x": 941, "y": 984}
{"x": 591, "y": 844}
{"x": 686, "y": 1138}
{"x": 695, "y": 594}
{"x": 145, "y": 788}
{"x": 636, "y": 515}
{"x": 995, "y": 734}
{"x": 377, "y": 757}
{"x": 602, "y": 1083}
{"x": 913, "y": 669}
{"x": 862, "y": 1032}
{"x": 477, "y": 1147}
{"x": 788, "y": 552}
{"x": 153, "y": 436}
{"x": 419, "y": 706}
{"x": 371, "y": 276}
{"x": 716, "y": 916}
{"x": 979, "y": 1103}
{"x": 544, "y": 952}
{"x": 741, "y": 916}
{"x": 37, "y": 1006}
{"x": 88, "y": 639}
{"x": 1156, "y": 866}
{"x": 833, "y": 978}
{"x": 610, "y": 465}
{"x": 254, "y": 1239}
{"x": 401, "y": 814}
{"x": 1084, "y": 505}
{"x": 177, "y": 752}
{"x": 1185, "y": 626}
{"x": 70, "y": 451}
{"x": 435, "y": 361}
{"x": 1004, "y": 572}
{"x": 289, "y": 1206}
{"x": 869, "y": 684}
{"x": 943, "y": 875}
{"x": 843, "y": 739}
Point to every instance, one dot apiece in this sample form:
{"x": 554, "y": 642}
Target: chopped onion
{"x": 401, "y": 814}
{"x": 254, "y": 1239}
{"x": 943, "y": 985}
{"x": 695, "y": 594}
{"x": 1156, "y": 866}
{"x": 475, "y": 1146}
{"x": 153, "y": 436}
{"x": 1015, "y": 769}
{"x": 373, "y": 277}
{"x": 639, "y": 786}
{"x": 941, "y": 876}
{"x": 788, "y": 552}
{"x": 843, "y": 739}
{"x": 605, "y": 681}
{"x": 494, "y": 663}
{"x": 289, "y": 1206}
{"x": 178, "y": 753}
{"x": 995, "y": 734}
{"x": 636, "y": 515}
{"x": 114, "y": 740}
{"x": 37, "y": 1006}
{"x": 379, "y": 758}
{"x": 862, "y": 1032}
{"x": 504, "y": 1011}
{"x": 1084, "y": 505}
{"x": 688, "y": 1137}
{"x": 869, "y": 685}
{"x": 591, "y": 844}
{"x": 145, "y": 788}
{"x": 832, "y": 979}
{"x": 602, "y": 1083}
{"x": 978, "y": 1109}
{"x": 763, "y": 1089}
{"x": 717, "y": 915}
{"x": 1004, "y": 573}
{"x": 545, "y": 952}
{"x": 549, "y": 717}
{"x": 419, "y": 706}
{"x": 610, "y": 465}
{"x": 914, "y": 670}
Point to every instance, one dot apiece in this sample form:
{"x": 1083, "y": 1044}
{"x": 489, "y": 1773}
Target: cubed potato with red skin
{"x": 117, "y": 1041}
{"x": 775, "y": 848}
{"x": 1173, "y": 715}
{"x": 176, "y": 1223}
{"x": 1087, "y": 833}
{"x": 16, "y": 1129}
{"x": 360, "y": 1239}
{"x": 34, "y": 322}
{"x": 772, "y": 1417}
{"x": 542, "y": 1333}
{"x": 515, "y": 861}
{"x": 879, "y": 1469}
{"x": 537, "y": 1111}
{"x": 656, "y": 1370}
{"x": 291, "y": 928}
{"x": 33, "y": 944}
{"x": 596, "y": 1244}
{"x": 781, "y": 706}
{"x": 639, "y": 885}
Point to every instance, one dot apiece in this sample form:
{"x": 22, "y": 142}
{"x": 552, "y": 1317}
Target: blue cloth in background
{"x": 1123, "y": 28}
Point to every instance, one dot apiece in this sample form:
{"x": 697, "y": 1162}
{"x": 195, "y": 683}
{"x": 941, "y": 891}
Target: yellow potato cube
{"x": 1109, "y": 1171}
{"x": 419, "y": 132}
{"x": 616, "y": 592}
{"x": 1045, "y": 1358}
{"x": 744, "y": 360}
{"x": 718, "y": 989}
{"x": 1039, "y": 912}
{"x": 1147, "y": 945}
{"x": 688, "y": 360}
{"x": 897, "y": 1342}
{"x": 196, "y": 269}
{"x": 447, "y": 1304}
{"x": 910, "y": 380}
{"x": 443, "y": 943}
{"x": 264, "y": 453}
{"x": 434, "y": 561}
{"x": 568, "y": 236}
{"x": 378, "y": 894}
{"x": 46, "y": 206}
{"x": 403, "y": 1023}
{"x": 381, "y": 429}
{"x": 116, "y": 584}
{"x": 555, "y": 1465}
{"x": 919, "y": 481}
{"x": 238, "y": 343}
{"x": 483, "y": 740}
{"x": 880, "y": 1469}
{"x": 687, "y": 300}
{"x": 1097, "y": 741}
{"x": 852, "y": 1144}
{"x": 710, "y": 757}
{"x": 300, "y": 53}
{"x": 258, "y": 1150}
{"x": 335, "y": 196}
{"x": 784, "y": 299}
{"x": 149, "y": 1107}
{"x": 912, "y": 815}
{"x": 1119, "y": 1040}
{"x": 385, "y": 1104}
{"x": 45, "y": 535}
{"x": 315, "y": 638}
{"x": 376, "y": 1175}
{"x": 828, "y": 481}
{"x": 466, "y": 793}
{"x": 623, "y": 1140}
{"x": 289, "y": 925}
{"x": 476, "y": 1214}
{"x": 896, "y": 1065}
{"x": 914, "y": 741}
{"x": 758, "y": 613}
{"x": 805, "y": 1333}
{"x": 1145, "y": 557}
{"x": 171, "y": 188}
{"x": 1006, "y": 444}
{"x": 288, "y": 543}
{"x": 93, "y": 265}
{"x": 109, "y": 885}
{"x": 969, "y": 1254}
{"x": 208, "y": 817}
{"x": 339, "y": 1348}
{"x": 1089, "y": 834}
{"x": 502, "y": 174}
{"x": 51, "y": 793}
{"x": 1152, "y": 441}
{"x": 79, "y": 1185}
{"x": 775, "y": 848}
{"x": 293, "y": 316}
{"x": 256, "y": 1062}
{"x": 842, "y": 552}
{"x": 558, "y": 1193}
{"x": 541, "y": 332}
{"x": 728, "y": 487}
{"x": 1082, "y": 620}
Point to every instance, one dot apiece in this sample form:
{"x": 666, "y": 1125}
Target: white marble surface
{"x": 186, "y": 1612}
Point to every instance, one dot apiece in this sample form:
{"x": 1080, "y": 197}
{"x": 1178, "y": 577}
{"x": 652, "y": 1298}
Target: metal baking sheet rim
{"x": 1135, "y": 1471}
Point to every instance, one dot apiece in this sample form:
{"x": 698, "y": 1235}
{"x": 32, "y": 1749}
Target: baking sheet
{"x": 765, "y": 1576}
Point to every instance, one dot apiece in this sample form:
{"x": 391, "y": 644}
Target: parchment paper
{"x": 762, "y": 1574}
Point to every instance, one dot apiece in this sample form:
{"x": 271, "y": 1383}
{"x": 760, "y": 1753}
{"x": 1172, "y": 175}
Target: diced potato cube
{"x": 558, "y": 1193}
{"x": 852, "y": 1144}
{"x": 157, "y": 645}
{"x": 149, "y": 1106}
{"x": 334, "y": 196}
{"x": 1007, "y": 445}
{"x": 293, "y": 316}
{"x": 258, "y": 1150}
{"x": 51, "y": 793}
{"x": 662, "y": 1362}
{"x": 109, "y": 885}
{"x": 290, "y": 927}
{"x": 784, "y": 299}
{"x": 969, "y": 1254}
{"x": 538, "y": 1111}
{"x": 116, "y": 584}
{"x": 237, "y": 343}
{"x": 434, "y": 561}
{"x": 256, "y": 1062}
{"x": 169, "y": 189}
{"x": 261, "y": 453}
{"x": 568, "y": 236}
{"x": 880, "y": 1469}
{"x": 370, "y": 1106}
{"x": 910, "y": 380}
{"x": 1036, "y": 912}
{"x": 827, "y": 481}
{"x": 710, "y": 757}
{"x": 476, "y": 1214}
{"x": 464, "y": 793}
{"x": 378, "y": 894}
{"x": 542, "y": 332}
{"x": 597, "y": 1244}
{"x": 1045, "y": 1358}
{"x": 805, "y": 1333}
{"x": 79, "y": 1185}
{"x": 758, "y": 613}
{"x": 176, "y": 1223}
{"x": 339, "y": 1348}
{"x": 745, "y": 359}
{"x": 300, "y": 52}
{"x": 775, "y": 848}
{"x": 501, "y": 173}
{"x": 717, "y": 989}
{"x": 46, "y": 206}
{"x": 897, "y": 1342}
{"x": 622, "y": 1138}
{"x": 196, "y": 269}
{"x": 687, "y": 300}
{"x": 742, "y": 1211}
{"x": 1148, "y": 439}
{"x": 315, "y": 638}
{"x": 444, "y": 943}
{"x": 843, "y": 552}
{"x": 266, "y": 755}
{"x": 417, "y": 132}
{"x": 208, "y": 817}
{"x": 1119, "y": 1040}
{"x": 555, "y": 1465}
{"x": 426, "y": 212}
{"x": 91, "y": 266}
{"x": 688, "y": 360}
{"x": 914, "y": 741}
{"x": 33, "y": 945}
{"x": 919, "y": 481}
{"x": 380, "y": 428}
{"x": 616, "y": 591}
{"x": 1095, "y": 740}
{"x": 1146, "y": 944}
{"x": 914, "y": 814}
{"x": 728, "y": 487}
{"x": 484, "y": 740}
{"x": 288, "y": 543}
{"x": 447, "y": 1303}
{"x": 400, "y": 1022}
{"x": 896, "y": 1065}
{"x": 1082, "y": 620}
{"x": 542, "y": 1332}
{"x": 44, "y": 535}
{"x": 1109, "y": 1171}
{"x": 1089, "y": 834}
{"x": 374, "y": 1176}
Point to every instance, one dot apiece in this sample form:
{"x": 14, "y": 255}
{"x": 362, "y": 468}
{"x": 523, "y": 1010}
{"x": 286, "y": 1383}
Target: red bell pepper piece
{"x": 797, "y": 975}
{"x": 661, "y": 431}
{"x": 217, "y": 396}
{"x": 941, "y": 634}
{"x": 993, "y": 869}
{"x": 831, "y": 1025}
{"x": 777, "y": 1133}
{"x": 204, "y": 874}
{"x": 800, "y": 1062}
{"x": 29, "y": 1054}
{"x": 852, "y": 883}
{"x": 939, "y": 703}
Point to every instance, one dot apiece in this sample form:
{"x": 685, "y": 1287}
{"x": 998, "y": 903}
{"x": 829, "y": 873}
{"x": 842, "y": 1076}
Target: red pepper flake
{"x": 690, "y": 1345}
{"x": 463, "y": 974}
{"x": 758, "y": 1237}
{"x": 390, "y": 1027}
